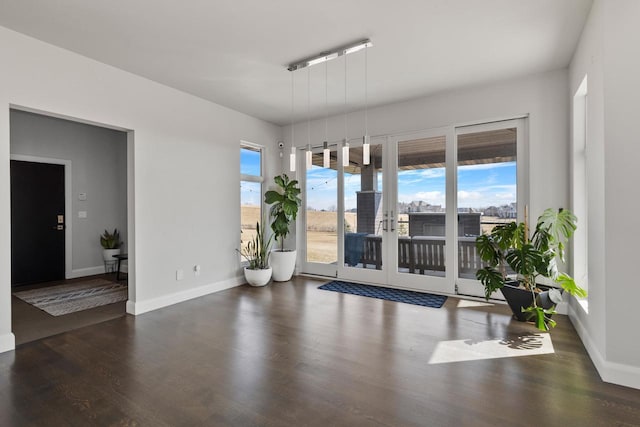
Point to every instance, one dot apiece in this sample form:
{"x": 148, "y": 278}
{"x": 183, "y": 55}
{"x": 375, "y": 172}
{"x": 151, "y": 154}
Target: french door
{"x": 409, "y": 217}
{"x": 492, "y": 189}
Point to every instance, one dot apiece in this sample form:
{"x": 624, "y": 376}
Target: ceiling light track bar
{"x": 329, "y": 55}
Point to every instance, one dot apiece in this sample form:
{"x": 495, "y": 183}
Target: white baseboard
{"x": 7, "y": 342}
{"x": 92, "y": 271}
{"x": 89, "y": 271}
{"x": 611, "y": 372}
{"x": 140, "y": 307}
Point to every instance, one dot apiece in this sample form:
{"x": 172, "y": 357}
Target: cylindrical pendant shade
{"x": 292, "y": 160}
{"x": 366, "y": 157}
{"x": 308, "y": 155}
{"x": 345, "y": 154}
{"x": 326, "y": 156}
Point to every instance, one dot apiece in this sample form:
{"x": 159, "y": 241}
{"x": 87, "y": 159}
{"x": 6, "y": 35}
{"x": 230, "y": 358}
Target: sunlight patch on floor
{"x": 466, "y": 350}
{"x": 464, "y": 303}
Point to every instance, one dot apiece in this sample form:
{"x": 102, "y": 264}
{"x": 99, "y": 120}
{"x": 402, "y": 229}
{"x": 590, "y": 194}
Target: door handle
{"x": 58, "y": 227}
{"x": 392, "y": 227}
{"x": 385, "y": 224}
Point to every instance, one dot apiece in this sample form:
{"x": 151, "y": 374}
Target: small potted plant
{"x": 256, "y": 252}
{"x": 284, "y": 210}
{"x": 509, "y": 245}
{"x": 110, "y": 244}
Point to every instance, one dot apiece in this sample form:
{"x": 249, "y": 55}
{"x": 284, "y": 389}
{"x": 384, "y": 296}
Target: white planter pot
{"x": 107, "y": 254}
{"x": 283, "y": 263}
{"x": 257, "y": 277}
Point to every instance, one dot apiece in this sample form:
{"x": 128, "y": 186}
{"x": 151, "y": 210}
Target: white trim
{"x": 88, "y": 271}
{"x": 65, "y": 117}
{"x": 140, "y": 307}
{"x": 261, "y": 150}
{"x": 611, "y": 372}
{"x": 7, "y": 342}
{"x": 68, "y": 208}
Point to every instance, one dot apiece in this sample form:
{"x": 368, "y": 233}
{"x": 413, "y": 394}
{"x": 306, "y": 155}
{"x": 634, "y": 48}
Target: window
{"x": 251, "y": 179}
{"x": 579, "y": 185}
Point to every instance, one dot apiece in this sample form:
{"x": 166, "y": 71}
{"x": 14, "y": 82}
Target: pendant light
{"x": 345, "y": 145}
{"x": 326, "y": 153}
{"x": 308, "y": 153}
{"x": 366, "y": 158}
{"x": 292, "y": 156}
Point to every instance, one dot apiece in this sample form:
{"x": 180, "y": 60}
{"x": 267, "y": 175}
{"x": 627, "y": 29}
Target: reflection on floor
{"x": 30, "y": 323}
{"x": 469, "y": 349}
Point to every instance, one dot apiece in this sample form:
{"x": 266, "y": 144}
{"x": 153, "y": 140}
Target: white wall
{"x": 588, "y": 60}
{"x": 184, "y": 186}
{"x": 99, "y": 169}
{"x": 608, "y": 54}
{"x": 622, "y": 175}
{"x": 541, "y": 96}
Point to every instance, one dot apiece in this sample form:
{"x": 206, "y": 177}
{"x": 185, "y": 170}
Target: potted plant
{"x": 256, "y": 252}
{"x": 509, "y": 245}
{"x": 110, "y": 244}
{"x": 284, "y": 209}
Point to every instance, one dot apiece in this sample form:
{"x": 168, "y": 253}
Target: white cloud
{"x": 433, "y": 173}
{"x": 431, "y": 197}
{"x": 466, "y": 196}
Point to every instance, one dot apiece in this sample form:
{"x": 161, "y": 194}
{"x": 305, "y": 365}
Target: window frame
{"x": 252, "y": 179}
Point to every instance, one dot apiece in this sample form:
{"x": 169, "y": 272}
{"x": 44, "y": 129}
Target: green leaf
{"x": 524, "y": 260}
{"x": 491, "y": 279}
{"x": 503, "y": 235}
{"x": 280, "y": 180}
{"x": 541, "y": 317}
{"x": 487, "y": 250}
{"x": 569, "y": 284}
{"x": 271, "y": 197}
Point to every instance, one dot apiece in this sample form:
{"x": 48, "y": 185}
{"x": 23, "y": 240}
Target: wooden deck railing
{"x": 419, "y": 254}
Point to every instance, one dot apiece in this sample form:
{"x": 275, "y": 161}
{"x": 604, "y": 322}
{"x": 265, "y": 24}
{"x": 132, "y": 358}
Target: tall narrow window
{"x": 251, "y": 178}
{"x": 579, "y": 185}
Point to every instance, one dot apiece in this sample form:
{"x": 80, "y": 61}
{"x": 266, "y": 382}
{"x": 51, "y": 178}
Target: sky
{"x": 479, "y": 186}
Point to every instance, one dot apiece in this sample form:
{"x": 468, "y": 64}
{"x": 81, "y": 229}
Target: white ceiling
{"x": 235, "y": 52}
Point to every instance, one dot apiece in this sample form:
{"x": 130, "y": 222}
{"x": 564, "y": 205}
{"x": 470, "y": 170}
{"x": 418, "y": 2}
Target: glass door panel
{"x": 420, "y": 213}
{"x": 321, "y": 215}
{"x": 363, "y": 209}
{"x": 487, "y": 191}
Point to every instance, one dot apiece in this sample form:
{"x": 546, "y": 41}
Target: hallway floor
{"x": 30, "y": 323}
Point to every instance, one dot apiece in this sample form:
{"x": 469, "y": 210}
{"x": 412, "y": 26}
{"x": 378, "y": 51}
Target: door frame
{"x": 309, "y": 267}
{"x": 68, "y": 231}
{"x": 471, "y": 287}
{"x": 368, "y": 275}
{"x": 449, "y": 284}
{"x": 422, "y": 282}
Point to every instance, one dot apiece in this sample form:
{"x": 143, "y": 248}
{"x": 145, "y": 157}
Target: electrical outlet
{"x": 179, "y": 274}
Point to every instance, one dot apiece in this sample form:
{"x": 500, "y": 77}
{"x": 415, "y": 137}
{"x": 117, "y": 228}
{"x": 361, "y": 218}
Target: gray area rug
{"x": 65, "y": 299}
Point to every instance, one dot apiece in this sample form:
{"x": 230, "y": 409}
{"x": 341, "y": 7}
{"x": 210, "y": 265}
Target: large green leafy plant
{"x": 284, "y": 206}
{"x": 509, "y": 245}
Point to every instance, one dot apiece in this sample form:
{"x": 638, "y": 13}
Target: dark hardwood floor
{"x": 292, "y": 355}
{"x": 29, "y": 323}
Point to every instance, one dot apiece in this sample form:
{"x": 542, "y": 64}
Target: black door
{"x": 37, "y": 222}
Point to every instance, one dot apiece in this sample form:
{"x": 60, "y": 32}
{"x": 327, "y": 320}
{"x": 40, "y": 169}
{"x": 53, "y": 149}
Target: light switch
{"x": 82, "y": 196}
{"x": 82, "y": 214}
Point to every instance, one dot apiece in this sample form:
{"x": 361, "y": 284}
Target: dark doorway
{"x": 37, "y": 222}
